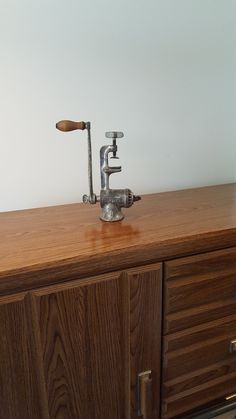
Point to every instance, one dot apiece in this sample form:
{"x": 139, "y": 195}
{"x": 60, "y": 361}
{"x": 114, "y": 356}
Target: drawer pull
{"x": 144, "y": 395}
{"x": 232, "y": 396}
{"x": 232, "y": 346}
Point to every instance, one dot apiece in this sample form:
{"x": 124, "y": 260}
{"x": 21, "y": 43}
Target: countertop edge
{"x": 41, "y": 275}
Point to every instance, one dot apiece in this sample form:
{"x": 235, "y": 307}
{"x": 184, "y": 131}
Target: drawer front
{"x": 200, "y": 322}
{"x": 199, "y": 288}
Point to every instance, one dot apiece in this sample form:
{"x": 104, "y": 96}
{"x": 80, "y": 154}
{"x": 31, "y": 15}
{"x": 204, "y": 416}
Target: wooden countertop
{"x": 40, "y": 246}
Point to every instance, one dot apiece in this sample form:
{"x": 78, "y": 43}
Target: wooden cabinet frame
{"x": 89, "y": 311}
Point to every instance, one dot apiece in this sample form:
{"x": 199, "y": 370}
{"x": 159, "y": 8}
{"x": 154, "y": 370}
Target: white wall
{"x": 163, "y": 71}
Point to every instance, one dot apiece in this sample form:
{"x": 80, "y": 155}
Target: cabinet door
{"x": 22, "y": 391}
{"x": 96, "y": 336}
{"x": 84, "y": 335}
{"x": 145, "y": 340}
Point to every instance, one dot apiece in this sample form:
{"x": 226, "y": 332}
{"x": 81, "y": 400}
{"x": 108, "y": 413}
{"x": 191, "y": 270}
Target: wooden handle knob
{"x": 70, "y": 125}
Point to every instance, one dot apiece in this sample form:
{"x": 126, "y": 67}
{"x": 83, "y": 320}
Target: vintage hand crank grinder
{"x": 111, "y": 200}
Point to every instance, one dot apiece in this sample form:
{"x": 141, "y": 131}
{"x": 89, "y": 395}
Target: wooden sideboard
{"x": 86, "y": 307}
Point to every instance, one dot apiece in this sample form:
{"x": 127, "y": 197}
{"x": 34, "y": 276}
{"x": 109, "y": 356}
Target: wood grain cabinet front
{"x": 75, "y": 350}
{"x": 200, "y": 324}
{"x": 21, "y": 377}
{"x": 82, "y": 331}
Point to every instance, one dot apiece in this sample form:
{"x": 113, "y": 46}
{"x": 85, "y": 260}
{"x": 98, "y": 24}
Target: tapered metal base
{"x": 111, "y": 212}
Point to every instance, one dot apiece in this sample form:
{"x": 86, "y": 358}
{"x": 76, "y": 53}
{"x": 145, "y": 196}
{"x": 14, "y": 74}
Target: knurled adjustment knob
{"x": 114, "y": 134}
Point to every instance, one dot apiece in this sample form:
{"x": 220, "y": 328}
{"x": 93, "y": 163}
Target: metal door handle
{"x": 145, "y": 395}
{"x": 232, "y": 346}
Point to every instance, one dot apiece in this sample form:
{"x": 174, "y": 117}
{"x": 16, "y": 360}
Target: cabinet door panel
{"x": 145, "y": 332}
{"x": 22, "y": 393}
{"x": 84, "y": 336}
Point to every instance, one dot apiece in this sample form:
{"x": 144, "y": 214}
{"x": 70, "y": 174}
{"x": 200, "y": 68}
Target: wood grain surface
{"x": 84, "y": 334}
{"x": 145, "y": 333}
{"x": 96, "y": 335}
{"x": 22, "y": 386}
{"x": 200, "y": 322}
{"x": 39, "y": 246}
{"x": 201, "y": 279}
